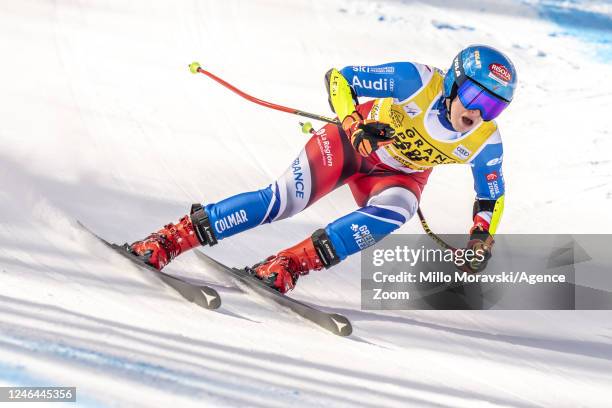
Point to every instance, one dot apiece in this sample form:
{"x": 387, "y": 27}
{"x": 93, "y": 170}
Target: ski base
{"x": 333, "y": 322}
{"x": 202, "y": 295}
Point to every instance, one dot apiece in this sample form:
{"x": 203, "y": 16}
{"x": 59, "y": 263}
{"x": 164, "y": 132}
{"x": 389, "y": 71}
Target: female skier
{"x": 384, "y": 150}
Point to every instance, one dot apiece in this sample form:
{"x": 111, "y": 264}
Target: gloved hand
{"x": 367, "y": 135}
{"x": 481, "y": 242}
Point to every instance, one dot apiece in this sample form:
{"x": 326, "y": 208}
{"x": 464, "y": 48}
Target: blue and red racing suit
{"x": 386, "y": 185}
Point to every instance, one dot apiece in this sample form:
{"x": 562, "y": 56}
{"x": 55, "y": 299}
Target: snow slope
{"x": 101, "y": 121}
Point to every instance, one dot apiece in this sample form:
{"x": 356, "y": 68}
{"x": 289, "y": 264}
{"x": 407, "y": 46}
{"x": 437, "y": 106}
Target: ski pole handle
{"x": 195, "y": 68}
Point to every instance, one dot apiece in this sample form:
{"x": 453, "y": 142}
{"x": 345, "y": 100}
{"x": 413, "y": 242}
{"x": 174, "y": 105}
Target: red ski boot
{"x": 161, "y": 247}
{"x": 282, "y": 271}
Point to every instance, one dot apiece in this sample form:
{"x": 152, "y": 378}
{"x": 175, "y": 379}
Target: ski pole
{"x": 195, "y": 68}
{"x": 432, "y": 234}
{"x": 440, "y": 241}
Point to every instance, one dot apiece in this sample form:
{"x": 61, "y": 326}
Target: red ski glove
{"x": 368, "y": 135}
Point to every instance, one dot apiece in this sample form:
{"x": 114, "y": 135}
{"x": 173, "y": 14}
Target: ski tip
{"x": 83, "y": 226}
{"x": 341, "y": 325}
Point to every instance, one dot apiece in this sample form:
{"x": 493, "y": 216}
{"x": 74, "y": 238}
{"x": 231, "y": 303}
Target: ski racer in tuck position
{"x": 384, "y": 150}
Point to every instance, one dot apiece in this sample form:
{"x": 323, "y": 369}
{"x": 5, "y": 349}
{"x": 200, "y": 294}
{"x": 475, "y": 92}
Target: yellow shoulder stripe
{"x": 340, "y": 94}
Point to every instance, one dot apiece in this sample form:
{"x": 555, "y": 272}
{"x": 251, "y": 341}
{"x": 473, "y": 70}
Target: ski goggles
{"x": 473, "y": 96}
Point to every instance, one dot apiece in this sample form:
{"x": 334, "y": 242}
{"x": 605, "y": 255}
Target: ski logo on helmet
{"x": 471, "y": 64}
{"x": 456, "y": 66}
{"x": 477, "y": 59}
{"x": 500, "y": 73}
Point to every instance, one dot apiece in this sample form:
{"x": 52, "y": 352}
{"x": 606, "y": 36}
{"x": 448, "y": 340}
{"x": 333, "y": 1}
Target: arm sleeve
{"x": 489, "y": 186}
{"x": 397, "y": 79}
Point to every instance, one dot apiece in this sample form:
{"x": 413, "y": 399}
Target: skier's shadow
{"x": 235, "y": 315}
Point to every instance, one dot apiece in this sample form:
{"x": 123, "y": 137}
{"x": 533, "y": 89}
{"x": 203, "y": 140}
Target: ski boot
{"x": 161, "y": 247}
{"x": 282, "y": 271}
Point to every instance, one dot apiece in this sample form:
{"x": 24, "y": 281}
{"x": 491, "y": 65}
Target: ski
{"x": 333, "y": 322}
{"x": 202, "y": 295}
